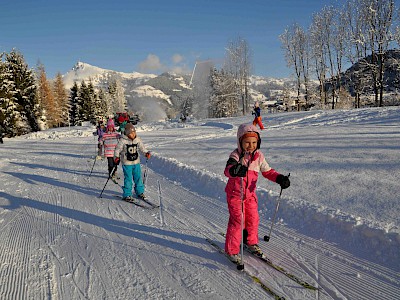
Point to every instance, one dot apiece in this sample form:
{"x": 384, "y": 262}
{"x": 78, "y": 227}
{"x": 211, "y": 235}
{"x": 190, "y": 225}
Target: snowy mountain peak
{"x": 85, "y": 67}
{"x": 84, "y": 71}
{"x": 78, "y": 65}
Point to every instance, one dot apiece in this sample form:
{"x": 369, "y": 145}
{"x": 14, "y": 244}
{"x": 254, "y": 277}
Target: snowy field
{"x": 338, "y": 224}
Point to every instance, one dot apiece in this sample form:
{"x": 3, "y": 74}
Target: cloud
{"x": 177, "y": 58}
{"x": 153, "y": 64}
{"x": 150, "y": 64}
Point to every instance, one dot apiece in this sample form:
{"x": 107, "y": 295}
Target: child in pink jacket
{"x": 110, "y": 140}
{"x": 245, "y": 162}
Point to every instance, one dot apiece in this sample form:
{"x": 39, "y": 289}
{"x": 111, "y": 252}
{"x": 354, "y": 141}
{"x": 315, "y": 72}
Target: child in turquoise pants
{"x": 127, "y": 151}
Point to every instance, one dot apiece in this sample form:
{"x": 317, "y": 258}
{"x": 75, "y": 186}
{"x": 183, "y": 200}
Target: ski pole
{"x": 161, "y": 205}
{"x": 241, "y": 265}
{"x": 267, "y": 237}
{"x": 109, "y": 176}
{"x": 92, "y": 167}
{"x": 145, "y": 173}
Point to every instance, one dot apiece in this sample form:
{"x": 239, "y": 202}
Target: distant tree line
{"x": 360, "y": 31}
{"x": 30, "y": 102}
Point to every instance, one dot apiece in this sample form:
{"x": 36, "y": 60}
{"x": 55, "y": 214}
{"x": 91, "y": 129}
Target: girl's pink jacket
{"x": 110, "y": 141}
{"x": 256, "y": 163}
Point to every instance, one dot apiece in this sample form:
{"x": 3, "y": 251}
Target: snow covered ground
{"x": 338, "y": 224}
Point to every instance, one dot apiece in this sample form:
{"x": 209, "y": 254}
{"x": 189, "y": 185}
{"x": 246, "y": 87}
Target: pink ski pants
{"x": 251, "y": 220}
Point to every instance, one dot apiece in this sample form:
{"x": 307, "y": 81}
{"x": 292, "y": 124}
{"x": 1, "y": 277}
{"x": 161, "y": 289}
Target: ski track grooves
{"x": 197, "y": 209}
{"x": 335, "y": 270}
{"x": 182, "y": 219}
{"x": 64, "y": 262}
{"x": 338, "y": 264}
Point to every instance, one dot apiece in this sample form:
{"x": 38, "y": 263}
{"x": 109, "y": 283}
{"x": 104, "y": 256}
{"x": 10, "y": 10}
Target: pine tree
{"x": 84, "y": 96}
{"x": 24, "y": 92}
{"x": 99, "y": 106}
{"x": 94, "y": 112}
{"x": 88, "y": 97}
{"x": 8, "y": 105}
{"x": 117, "y": 96}
{"x": 75, "y": 106}
{"x": 104, "y": 103}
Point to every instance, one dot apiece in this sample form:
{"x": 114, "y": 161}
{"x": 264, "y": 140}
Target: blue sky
{"x": 149, "y": 36}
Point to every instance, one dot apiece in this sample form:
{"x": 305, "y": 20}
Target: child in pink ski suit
{"x": 244, "y": 163}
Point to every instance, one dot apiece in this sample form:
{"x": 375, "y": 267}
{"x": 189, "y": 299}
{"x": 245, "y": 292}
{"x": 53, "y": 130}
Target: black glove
{"x": 283, "y": 181}
{"x": 238, "y": 170}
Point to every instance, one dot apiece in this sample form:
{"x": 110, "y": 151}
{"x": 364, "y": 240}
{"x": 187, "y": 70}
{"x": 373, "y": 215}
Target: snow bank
{"x": 62, "y": 132}
{"x": 372, "y": 240}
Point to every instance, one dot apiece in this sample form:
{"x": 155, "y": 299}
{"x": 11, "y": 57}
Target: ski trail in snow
{"x": 188, "y": 209}
{"x": 60, "y": 241}
{"x": 332, "y": 279}
{"x": 193, "y": 281}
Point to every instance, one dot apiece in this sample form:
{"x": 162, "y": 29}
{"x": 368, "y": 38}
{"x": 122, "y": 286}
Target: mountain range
{"x": 168, "y": 90}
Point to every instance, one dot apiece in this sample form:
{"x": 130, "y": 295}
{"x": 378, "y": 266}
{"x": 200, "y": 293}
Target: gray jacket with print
{"x": 127, "y": 150}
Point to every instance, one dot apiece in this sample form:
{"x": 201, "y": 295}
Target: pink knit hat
{"x": 110, "y": 125}
{"x": 110, "y": 122}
